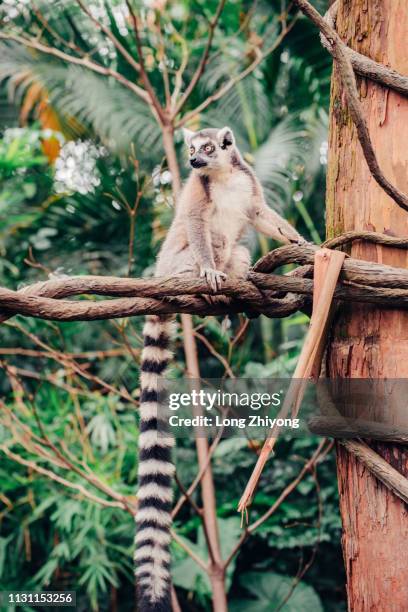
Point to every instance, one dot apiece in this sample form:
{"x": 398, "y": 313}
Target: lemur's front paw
{"x": 213, "y": 277}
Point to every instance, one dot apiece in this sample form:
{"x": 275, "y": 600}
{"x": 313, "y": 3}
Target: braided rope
{"x": 263, "y": 292}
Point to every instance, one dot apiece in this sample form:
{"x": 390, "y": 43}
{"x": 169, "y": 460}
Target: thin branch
{"x": 189, "y": 551}
{"x": 39, "y": 445}
{"x": 284, "y": 494}
{"x": 45, "y": 23}
{"x": 165, "y": 72}
{"x": 240, "y": 333}
{"x": 306, "y": 468}
{"x": 85, "y": 62}
{"x": 203, "y": 61}
{"x": 6, "y": 501}
{"x": 120, "y": 352}
{"x": 197, "y": 509}
{"x": 226, "y": 41}
{"x": 101, "y": 26}
{"x": 200, "y": 513}
{"x": 14, "y": 422}
{"x": 175, "y": 606}
{"x": 76, "y": 367}
{"x": 224, "y": 89}
{"x": 16, "y": 386}
{"x": 134, "y": 353}
{"x": 216, "y": 354}
{"x": 302, "y": 571}
{"x": 348, "y": 80}
{"x": 199, "y": 476}
{"x": 178, "y": 80}
{"x": 66, "y": 483}
{"x": 143, "y": 72}
{"x": 87, "y": 475}
{"x": 54, "y": 380}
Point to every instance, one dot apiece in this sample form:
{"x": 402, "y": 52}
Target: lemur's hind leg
{"x": 237, "y": 269}
{"x": 238, "y": 264}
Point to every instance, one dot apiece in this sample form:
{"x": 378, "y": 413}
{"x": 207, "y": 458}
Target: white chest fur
{"x": 231, "y": 199}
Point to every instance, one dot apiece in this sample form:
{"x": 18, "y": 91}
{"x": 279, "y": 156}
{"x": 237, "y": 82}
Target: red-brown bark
{"x": 369, "y": 342}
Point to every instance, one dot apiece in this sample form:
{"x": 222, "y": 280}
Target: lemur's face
{"x": 209, "y": 149}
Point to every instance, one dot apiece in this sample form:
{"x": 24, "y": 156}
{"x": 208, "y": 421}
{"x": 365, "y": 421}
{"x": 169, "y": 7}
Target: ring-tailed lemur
{"x": 221, "y": 197}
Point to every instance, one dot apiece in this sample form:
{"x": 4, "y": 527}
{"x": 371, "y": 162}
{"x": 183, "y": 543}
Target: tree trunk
{"x": 369, "y": 342}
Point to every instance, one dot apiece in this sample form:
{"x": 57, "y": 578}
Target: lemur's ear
{"x": 225, "y": 137}
{"x": 188, "y": 134}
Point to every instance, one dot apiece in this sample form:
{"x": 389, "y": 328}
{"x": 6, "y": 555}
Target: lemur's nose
{"x": 197, "y": 163}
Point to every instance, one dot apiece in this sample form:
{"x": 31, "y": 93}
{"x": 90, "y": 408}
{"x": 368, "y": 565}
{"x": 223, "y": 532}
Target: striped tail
{"x": 153, "y": 518}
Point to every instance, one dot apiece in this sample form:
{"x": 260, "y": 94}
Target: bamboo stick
{"x": 328, "y": 265}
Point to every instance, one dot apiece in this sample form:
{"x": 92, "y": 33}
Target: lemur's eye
{"x": 208, "y": 148}
{"x": 192, "y": 150}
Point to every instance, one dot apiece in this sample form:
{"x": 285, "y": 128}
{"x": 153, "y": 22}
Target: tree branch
{"x": 260, "y": 56}
{"x": 216, "y": 354}
{"x": 45, "y": 23}
{"x": 203, "y": 61}
{"x": 63, "y": 481}
{"x": 164, "y": 70}
{"x": 178, "y": 80}
{"x": 199, "y": 476}
{"x": 85, "y": 62}
{"x": 143, "y": 73}
{"x": 70, "y": 363}
{"x": 189, "y": 551}
{"x": 40, "y": 445}
{"x": 116, "y": 43}
{"x": 106, "y": 354}
{"x": 285, "y": 493}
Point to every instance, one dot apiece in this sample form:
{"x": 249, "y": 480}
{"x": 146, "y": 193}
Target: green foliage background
{"x": 51, "y": 536}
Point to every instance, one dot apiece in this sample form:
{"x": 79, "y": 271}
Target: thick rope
{"x": 341, "y": 56}
{"x": 262, "y": 293}
{"x": 363, "y": 65}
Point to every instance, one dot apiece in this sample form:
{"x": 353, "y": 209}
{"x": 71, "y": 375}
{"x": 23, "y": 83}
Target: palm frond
{"x": 246, "y": 109}
{"x": 275, "y": 159}
{"x": 114, "y": 115}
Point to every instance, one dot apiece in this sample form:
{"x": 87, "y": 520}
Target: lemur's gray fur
{"x": 220, "y": 199}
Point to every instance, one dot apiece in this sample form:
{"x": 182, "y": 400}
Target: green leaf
{"x": 188, "y": 575}
{"x": 230, "y": 446}
{"x": 3, "y": 549}
{"x": 271, "y": 590}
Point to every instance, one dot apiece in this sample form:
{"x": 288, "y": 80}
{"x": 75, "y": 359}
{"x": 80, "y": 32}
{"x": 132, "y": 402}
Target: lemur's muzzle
{"x": 197, "y": 163}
